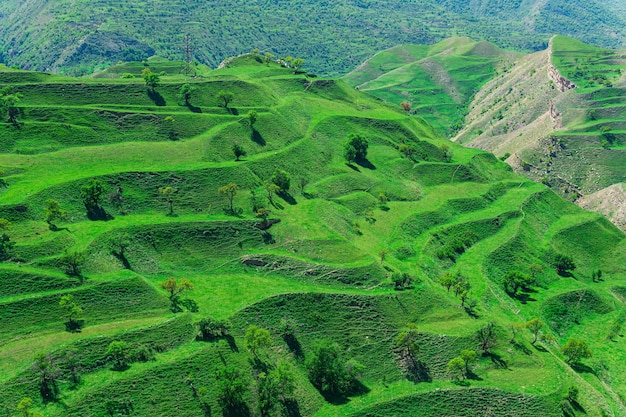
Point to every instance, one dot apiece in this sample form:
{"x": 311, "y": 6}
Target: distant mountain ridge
{"x": 76, "y": 38}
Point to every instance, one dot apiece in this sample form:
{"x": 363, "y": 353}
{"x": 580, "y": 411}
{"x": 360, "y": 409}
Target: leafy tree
{"x": 231, "y": 387}
{"x": 402, "y": 280}
{"x": 176, "y": 288}
{"x": 185, "y": 93}
{"x": 302, "y": 183}
{"x": 225, "y": 97}
{"x": 48, "y": 374}
{"x": 72, "y": 312}
{"x": 271, "y": 189}
{"x": 9, "y": 104}
{"x": 6, "y": 244}
{"x": 447, "y": 280}
{"x": 446, "y": 152}
{"x": 230, "y": 191}
{"x": 210, "y": 328}
{"x": 73, "y": 262}
{"x": 151, "y": 79}
{"x": 297, "y": 64}
{"x": 168, "y": 194}
{"x": 383, "y": 254}
{"x": 282, "y": 179}
{"x": 118, "y": 354}
{"x": 515, "y": 328}
{"x": 469, "y": 358}
{"x": 252, "y": 118}
{"x": 275, "y": 386}
{"x": 515, "y": 280}
{"x": 328, "y": 372}
{"x": 575, "y": 350}
{"x": 596, "y": 275}
{"x": 257, "y": 338}
{"x": 23, "y": 408}
{"x": 239, "y": 151}
{"x": 563, "y": 264}
{"x": 535, "y": 270}
{"x": 408, "y": 340}
{"x": 535, "y": 325}
{"x": 92, "y": 194}
{"x": 406, "y": 106}
{"x": 268, "y": 57}
{"x": 408, "y": 151}
{"x": 487, "y": 337}
{"x": 456, "y": 368}
{"x": 355, "y": 148}
{"x": 53, "y": 213}
{"x": 263, "y": 214}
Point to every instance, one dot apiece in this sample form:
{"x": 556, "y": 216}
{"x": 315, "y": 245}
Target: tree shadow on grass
{"x": 156, "y": 97}
{"x": 497, "y": 360}
{"x": 356, "y": 389}
{"x": 582, "y": 368}
{"x": 256, "y": 137}
{"x": 74, "y": 326}
{"x": 365, "y": 163}
{"x": 193, "y": 108}
{"x": 231, "y": 343}
{"x": 122, "y": 258}
{"x": 352, "y": 166}
{"x": 287, "y": 198}
{"x": 233, "y": 111}
{"x": 417, "y": 371}
{"x": 237, "y": 410}
{"x": 521, "y": 347}
{"x": 524, "y": 298}
{"x": 540, "y": 348}
{"x": 294, "y": 345}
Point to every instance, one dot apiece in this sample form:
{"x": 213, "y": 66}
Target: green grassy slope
{"x": 318, "y": 268}
{"x": 77, "y": 38}
{"x": 438, "y": 81}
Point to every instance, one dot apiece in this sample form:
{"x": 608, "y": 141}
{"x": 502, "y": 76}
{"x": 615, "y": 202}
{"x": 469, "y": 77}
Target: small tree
{"x": 297, "y": 64}
{"x": 73, "y": 262}
{"x": 408, "y": 340}
{"x": 230, "y": 191}
{"x": 328, "y": 372}
{"x": 408, "y": 151}
{"x": 9, "y": 104}
{"x": 302, "y": 183}
{"x": 210, "y": 328}
{"x": 515, "y": 280}
{"x": 271, "y": 189}
{"x": 72, "y": 312}
{"x": 406, "y": 106}
{"x": 176, "y": 288}
{"x": 256, "y": 339}
{"x": 563, "y": 264}
{"x": 185, "y": 93}
{"x": 252, "y": 118}
{"x": 225, "y": 97}
{"x": 118, "y": 354}
{"x": 23, "y": 408}
{"x": 575, "y": 350}
{"x": 355, "y": 148}
{"x": 446, "y": 152}
{"x": 447, "y": 280}
{"x": 469, "y": 359}
{"x": 151, "y": 79}
{"x": 535, "y": 325}
{"x": 231, "y": 387}
{"x": 53, "y": 213}
{"x": 168, "y": 195}
{"x": 402, "y": 280}
{"x": 535, "y": 270}
{"x": 456, "y": 368}
{"x": 6, "y": 245}
{"x": 282, "y": 179}
{"x": 92, "y": 194}
{"x": 239, "y": 151}
{"x": 487, "y": 337}
{"x": 268, "y": 57}
{"x": 49, "y": 374}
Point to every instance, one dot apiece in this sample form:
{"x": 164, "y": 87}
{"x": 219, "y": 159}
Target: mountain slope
{"x": 322, "y": 264}
{"x": 76, "y": 37}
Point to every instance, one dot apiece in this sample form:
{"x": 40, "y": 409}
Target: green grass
{"x": 320, "y": 266}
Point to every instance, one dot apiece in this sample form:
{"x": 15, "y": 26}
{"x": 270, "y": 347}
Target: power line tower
{"x": 189, "y": 69}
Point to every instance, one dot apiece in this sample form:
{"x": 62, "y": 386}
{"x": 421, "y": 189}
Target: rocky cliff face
{"x": 561, "y": 83}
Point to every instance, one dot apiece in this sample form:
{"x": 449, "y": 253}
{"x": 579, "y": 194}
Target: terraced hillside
{"x": 438, "y": 82}
{"x": 571, "y": 139}
{"x": 130, "y": 200}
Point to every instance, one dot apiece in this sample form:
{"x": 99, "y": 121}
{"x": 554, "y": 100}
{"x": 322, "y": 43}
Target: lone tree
{"x": 151, "y": 79}
{"x": 575, "y": 350}
{"x": 563, "y": 264}
{"x": 9, "y": 101}
{"x": 407, "y": 340}
{"x": 456, "y": 368}
{"x": 406, "y": 106}
{"x": 231, "y": 387}
{"x": 355, "y": 148}
{"x": 469, "y": 359}
{"x": 168, "y": 194}
{"x": 328, "y": 372}
{"x": 239, "y": 151}
{"x": 118, "y": 354}
{"x": 271, "y": 189}
{"x": 225, "y": 97}
{"x": 92, "y": 194}
{"x": 53, "y": 213}
{"x": 230, "y": 191}
{"x": 210, "y": 328}
{"x": 72, "y": 312}
{"x": 487, "y": 337}
{"x": 176, "y": 288}
{"x": 297, "y": 64}
{"x": 256, "y": 339}
{"x": 252, "y": 118}
{"x": 5, "y": 241}
{"x": 535, "y": 325}
{"x": 402, "y": 280}
{"x": 185, "y": 93}
{"x": 73, "y": 262}
{"x": 515, "y": 280}
{"x": 282, "y": 179}
{"x": 49, "y": 374}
